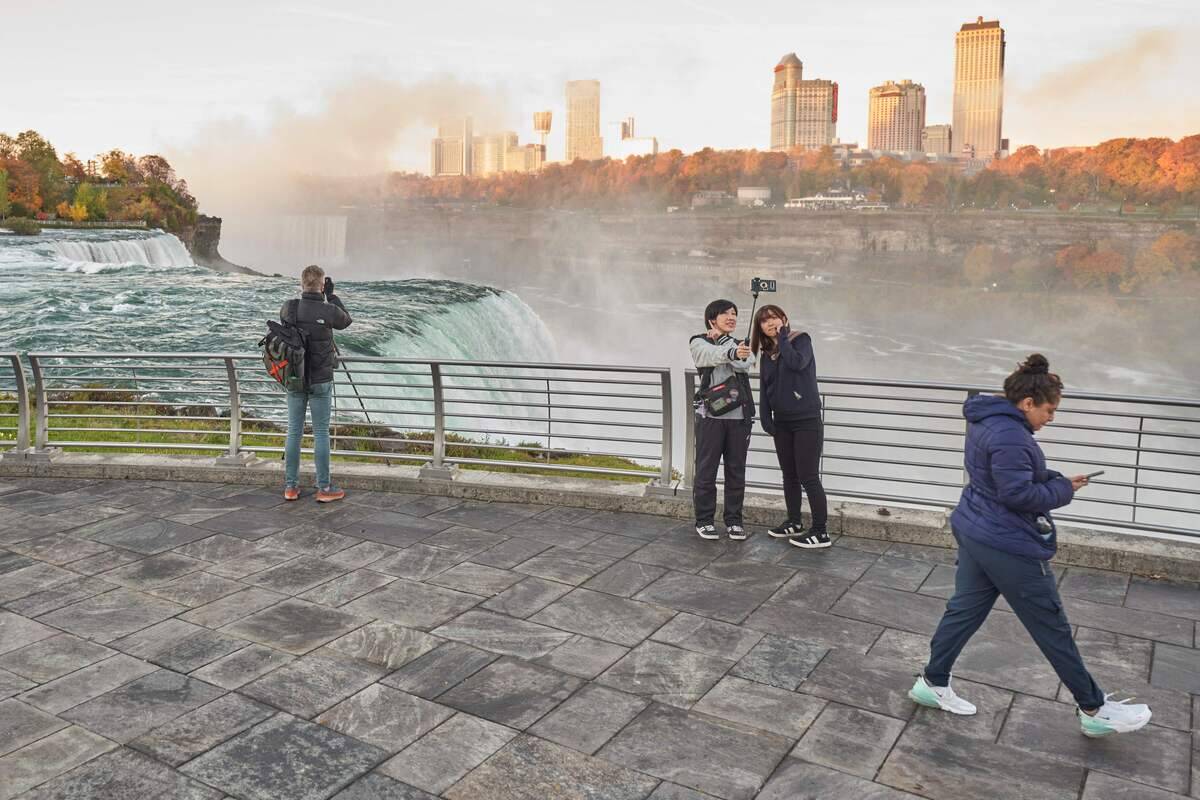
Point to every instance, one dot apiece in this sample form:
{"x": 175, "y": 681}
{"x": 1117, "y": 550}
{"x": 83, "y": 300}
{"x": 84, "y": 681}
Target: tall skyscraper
{"x": 488, "y": 152}
{"x": 896, "y": 117}
{"x": 583, "y": 120}
{"x": 803, "y": 112}
{"x": 451, "y": 151}
{"x": 937, "y": 139}
{"x": 979, "y": 87}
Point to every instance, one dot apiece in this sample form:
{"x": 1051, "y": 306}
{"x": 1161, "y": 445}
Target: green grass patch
{"x": 151, "y": 429}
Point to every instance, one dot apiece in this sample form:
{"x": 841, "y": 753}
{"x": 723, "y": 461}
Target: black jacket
{"x": 318, "y": 318}
{"x": 788, "y": 382}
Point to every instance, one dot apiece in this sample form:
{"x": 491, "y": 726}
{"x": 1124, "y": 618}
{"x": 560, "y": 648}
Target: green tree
{"x": 5, "y": 206}
{"x": 93, "y": 199}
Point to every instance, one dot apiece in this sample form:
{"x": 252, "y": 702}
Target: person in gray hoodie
{"x": 722, "y": 426}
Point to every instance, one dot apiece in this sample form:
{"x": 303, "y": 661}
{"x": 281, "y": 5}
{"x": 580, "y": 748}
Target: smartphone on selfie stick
{"x": 758, "y": 285}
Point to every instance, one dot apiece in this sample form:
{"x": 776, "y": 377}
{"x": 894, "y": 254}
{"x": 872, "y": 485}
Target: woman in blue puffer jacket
{"x": 1005, "y": 536}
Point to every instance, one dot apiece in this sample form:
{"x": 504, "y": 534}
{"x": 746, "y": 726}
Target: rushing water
{"x": 123, "y": 291}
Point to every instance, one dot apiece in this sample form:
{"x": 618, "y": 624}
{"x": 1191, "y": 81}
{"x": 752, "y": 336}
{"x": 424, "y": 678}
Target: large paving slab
{"x": 511, "y": 692}
{"x": 528, "y": 768}
{"x": 142, "y": 704}
{"x": 295, "y": 626}
{"x": 946, "y": 766}
{"x": 285, "y": 757}
{"x": 697, "y": 751}
{"x": 438, "y": 760}
{"x": 123, "y": 774}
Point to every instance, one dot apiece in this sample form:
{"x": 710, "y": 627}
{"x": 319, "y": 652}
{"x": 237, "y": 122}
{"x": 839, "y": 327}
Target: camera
{"x": 761, "y": 285}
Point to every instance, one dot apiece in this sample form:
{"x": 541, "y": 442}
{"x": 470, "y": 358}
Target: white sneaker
{"x": 707, "y": 532}
{"x": 1117, "y": 716}
{"x": 736, "y": 532}
{"x": 942, "y": 697}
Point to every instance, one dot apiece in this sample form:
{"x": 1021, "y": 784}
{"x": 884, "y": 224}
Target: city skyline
{"x": 691, "y": 72}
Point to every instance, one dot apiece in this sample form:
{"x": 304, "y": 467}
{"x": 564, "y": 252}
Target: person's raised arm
{"x": 795, "y": 352}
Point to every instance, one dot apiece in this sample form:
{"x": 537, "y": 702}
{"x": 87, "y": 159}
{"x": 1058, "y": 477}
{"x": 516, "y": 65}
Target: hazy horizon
{"x": 692, "y": 73}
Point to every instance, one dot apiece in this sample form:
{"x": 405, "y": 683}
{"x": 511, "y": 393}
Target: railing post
{"x": 21, "y": 445}
{"x": 437, "y": 468}
{"x": 235, "y": 456}
{"x": 662, "y": 486}
{"x": 41, "y": 450}
{"x": 689, "y": 429}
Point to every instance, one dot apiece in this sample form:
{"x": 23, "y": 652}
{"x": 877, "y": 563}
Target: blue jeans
{"x": 1029, "y": 586}
{"x": 319, "y": 399}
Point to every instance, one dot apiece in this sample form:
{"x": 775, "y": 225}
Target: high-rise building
{"x": 525, "y": 158}
{"x": 583, "y": 120}
{"x": 979, "y": 88}
{"x": 937, "y": 139}
{"x": 803, "y": 112}
{"x": 451, "y": 150}
{"x": 896, "y": 117}
{"x": 488, "y": 152}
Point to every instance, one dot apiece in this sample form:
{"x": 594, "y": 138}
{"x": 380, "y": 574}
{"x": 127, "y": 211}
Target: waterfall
{"x": 153, "y": 249}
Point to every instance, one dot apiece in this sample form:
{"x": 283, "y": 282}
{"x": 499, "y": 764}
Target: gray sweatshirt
{"x": 721, "y": 355}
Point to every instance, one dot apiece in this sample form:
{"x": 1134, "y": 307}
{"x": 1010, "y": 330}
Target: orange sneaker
{"x": 329, "y": 495}
{"x": 291, "y": 493}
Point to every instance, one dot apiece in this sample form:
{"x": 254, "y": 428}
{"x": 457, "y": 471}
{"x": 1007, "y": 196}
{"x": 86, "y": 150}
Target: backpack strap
{"x": 293, "y": 311}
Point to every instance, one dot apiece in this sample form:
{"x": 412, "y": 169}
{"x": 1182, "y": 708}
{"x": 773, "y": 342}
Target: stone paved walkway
{"x": 199, "y": 641}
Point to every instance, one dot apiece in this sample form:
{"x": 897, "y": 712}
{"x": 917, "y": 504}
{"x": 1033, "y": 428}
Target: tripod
{"x": 354, "y": 386}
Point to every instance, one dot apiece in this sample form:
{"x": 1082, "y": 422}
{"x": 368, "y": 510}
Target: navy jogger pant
{"x": 1029, "y": 587}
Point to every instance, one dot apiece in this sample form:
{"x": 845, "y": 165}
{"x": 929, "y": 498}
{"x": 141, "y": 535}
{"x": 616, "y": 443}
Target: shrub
{"x": 23, "y": 226}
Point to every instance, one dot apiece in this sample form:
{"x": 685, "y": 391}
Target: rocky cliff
{"x": 203, "y": 242}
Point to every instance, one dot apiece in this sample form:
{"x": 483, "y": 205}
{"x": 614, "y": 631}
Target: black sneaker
{"x": 786, "y": 531}
{"x": 736, "y": 532}
{"x": 815, "y": 538}
{"x": 707, "y": 532}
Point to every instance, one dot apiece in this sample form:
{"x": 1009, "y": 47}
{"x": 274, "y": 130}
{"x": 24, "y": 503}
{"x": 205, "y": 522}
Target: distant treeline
{"x": 1126, "y": 172}
{"x": 37, "y": 184}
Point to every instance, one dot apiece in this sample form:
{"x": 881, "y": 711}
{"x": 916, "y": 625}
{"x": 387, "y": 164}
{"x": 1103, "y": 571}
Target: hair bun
{"x": 1036, "y": 364}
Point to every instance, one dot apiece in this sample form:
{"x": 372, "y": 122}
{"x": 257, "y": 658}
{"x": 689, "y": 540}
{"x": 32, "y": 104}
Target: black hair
{"x": 1033, "y": 378}
{"x": 715, "y": 309}
{"x": 758, "y": 339}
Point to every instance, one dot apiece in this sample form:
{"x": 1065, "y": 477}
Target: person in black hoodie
{"x": 318, "y": 313}
{"x": 790, "y": 409}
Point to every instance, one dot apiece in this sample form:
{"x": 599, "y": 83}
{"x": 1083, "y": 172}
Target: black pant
{"x": 798, "y": 445}
{"x": 1028, "y": 586}
{"x": 718, "y": 438}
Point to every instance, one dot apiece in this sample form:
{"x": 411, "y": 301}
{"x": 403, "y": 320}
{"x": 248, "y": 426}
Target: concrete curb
{"x": 1141, "y": 554}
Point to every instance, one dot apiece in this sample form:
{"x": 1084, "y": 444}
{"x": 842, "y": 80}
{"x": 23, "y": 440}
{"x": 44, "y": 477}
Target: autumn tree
{"x": 73, "y": 168}
{"x": 39, "y": 154}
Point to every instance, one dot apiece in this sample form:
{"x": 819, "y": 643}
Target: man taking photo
{"x": 318, "y": 313}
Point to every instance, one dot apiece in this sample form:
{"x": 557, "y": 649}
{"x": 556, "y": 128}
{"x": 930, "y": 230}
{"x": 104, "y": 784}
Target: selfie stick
{"x": 753, "y": 306}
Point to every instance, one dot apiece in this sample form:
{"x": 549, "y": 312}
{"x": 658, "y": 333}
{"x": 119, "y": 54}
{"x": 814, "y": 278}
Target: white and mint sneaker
{"x": 1117, "y": 716}
{"x": 942, "y": 697}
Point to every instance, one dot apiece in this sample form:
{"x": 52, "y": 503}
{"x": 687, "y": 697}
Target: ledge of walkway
{"x": 1142, "y": 554}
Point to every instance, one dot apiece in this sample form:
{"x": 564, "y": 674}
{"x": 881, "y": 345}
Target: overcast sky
{"x": 149, "y": 76}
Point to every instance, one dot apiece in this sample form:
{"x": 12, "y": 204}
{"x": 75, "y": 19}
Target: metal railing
{"x": 897, "y": 441}
{"x": 886, "y": 441}
{"x": 14, "y": 405}
{"x": 441, "y": 413}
